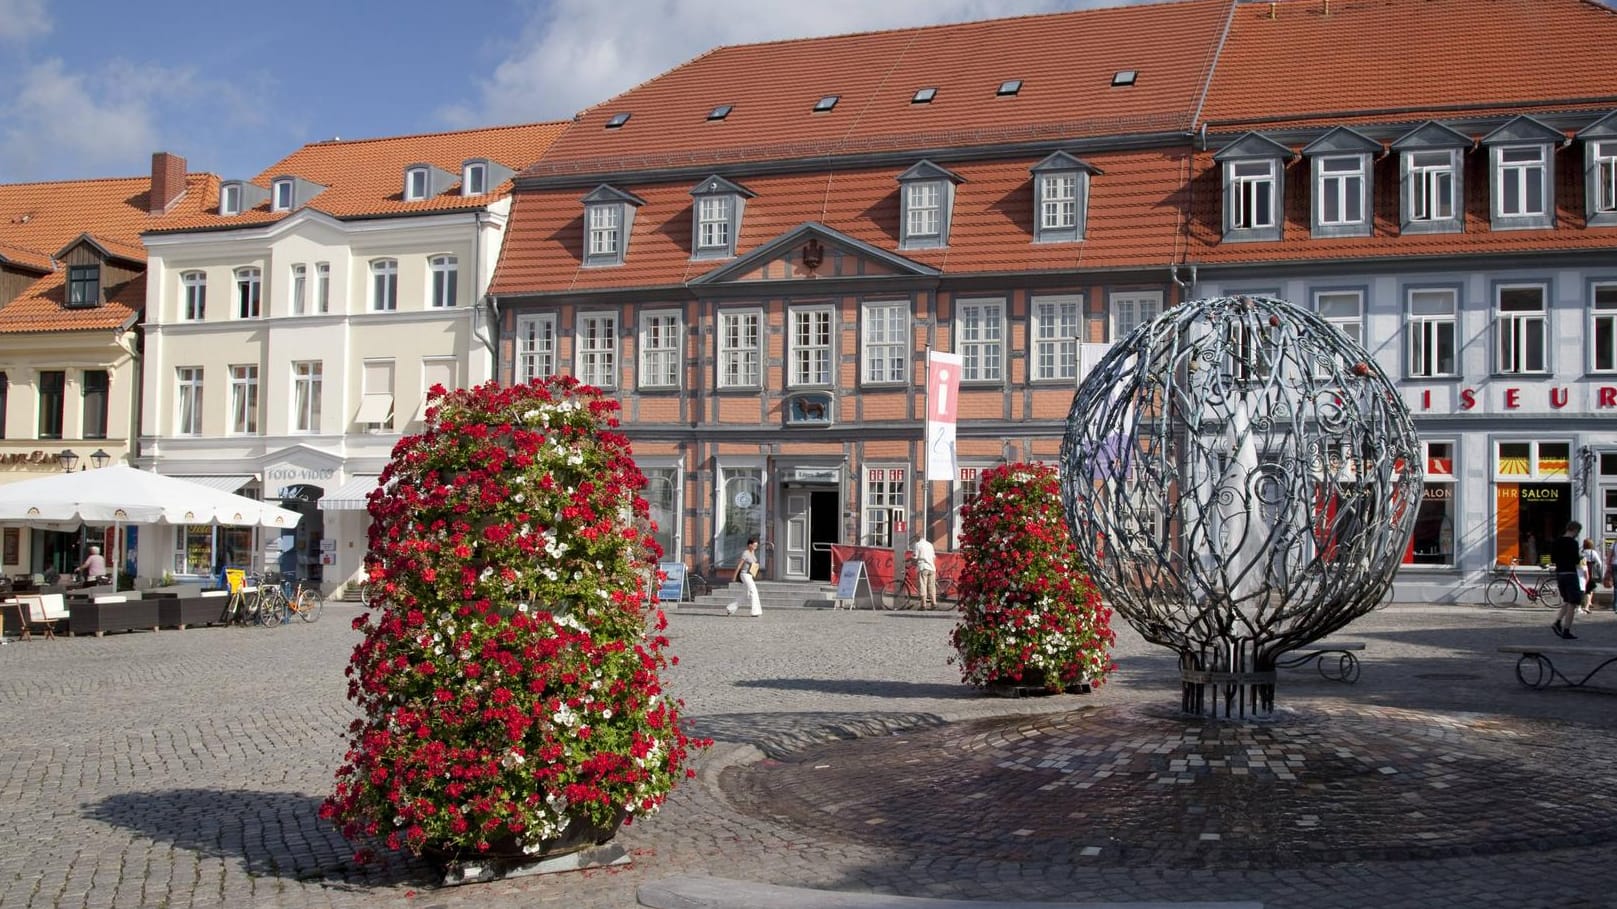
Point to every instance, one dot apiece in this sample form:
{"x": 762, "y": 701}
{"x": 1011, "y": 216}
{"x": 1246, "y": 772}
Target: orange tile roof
{"x": 1400, "y": 60}
{"x": 1133, "y": 220}
{"x": 40, "y": 220}
{"x": 365, "y": 177}
{"x": 1065, "y": 61}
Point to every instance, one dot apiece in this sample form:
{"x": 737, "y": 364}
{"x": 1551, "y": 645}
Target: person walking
{"x": 1590, "y": 573}
{"x": 926, "y": 570}
{"x": 746, "y": 571}
{"x": 1567, "y": 555}
{"x": 1611, "y": 572}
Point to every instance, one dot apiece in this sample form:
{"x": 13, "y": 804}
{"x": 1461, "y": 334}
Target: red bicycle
{"x": 1509, "y": 587}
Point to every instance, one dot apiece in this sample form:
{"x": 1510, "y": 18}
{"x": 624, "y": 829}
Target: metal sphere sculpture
{"x": 1241, "y": 479}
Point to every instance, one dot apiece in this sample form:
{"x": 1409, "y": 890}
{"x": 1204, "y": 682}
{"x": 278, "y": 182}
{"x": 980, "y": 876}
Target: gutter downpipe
{"x": 484, "y": 328}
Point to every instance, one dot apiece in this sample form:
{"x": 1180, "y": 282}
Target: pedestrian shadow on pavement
{"x": 272, "y": 834}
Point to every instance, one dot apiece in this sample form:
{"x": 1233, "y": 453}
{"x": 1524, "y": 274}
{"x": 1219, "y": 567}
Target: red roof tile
{"x": 365, "y": 177}
{"x": 1065, "y": 61}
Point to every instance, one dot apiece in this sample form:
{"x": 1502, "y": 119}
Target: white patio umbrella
{"x": 124, "y": 495}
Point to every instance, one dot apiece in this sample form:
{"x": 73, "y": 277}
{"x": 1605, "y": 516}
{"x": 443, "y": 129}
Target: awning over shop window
{"x": 350, "y": 496}
{"x": 225, "y": 484}
{"x": 375, "y": 408}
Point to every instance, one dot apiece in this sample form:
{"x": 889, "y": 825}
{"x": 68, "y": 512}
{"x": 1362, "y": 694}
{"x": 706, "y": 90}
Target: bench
{"x": 1344, "y": 668}
{"x": 1535, "y": 669}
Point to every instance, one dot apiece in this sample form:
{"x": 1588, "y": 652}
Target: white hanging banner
{"x": 942, "y": 402}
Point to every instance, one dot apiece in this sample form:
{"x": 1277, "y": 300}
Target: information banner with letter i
{"x": 942, "y": 402}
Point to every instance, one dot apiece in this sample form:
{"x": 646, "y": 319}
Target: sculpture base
{"x": 482, "y": 872}
{"x": 1227, "y": 695}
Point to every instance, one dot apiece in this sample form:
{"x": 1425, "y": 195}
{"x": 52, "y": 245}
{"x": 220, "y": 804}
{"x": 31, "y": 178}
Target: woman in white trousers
{"x": 745, "y": 572}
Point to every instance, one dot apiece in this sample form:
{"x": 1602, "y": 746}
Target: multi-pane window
{"x": 52, "y": 400}
{"x": 659, "y": 350}
{"x": 662, "y": 497}
{"x": 923, "y": 207}
{"x": 604, "y": 224}
{"x": 1603, "y": 332}
{"x": 884, "y": 504}
{"x": 1343, "y": 309}
{"x": 194, "y": 288}
{"x": 83, "y": 285}
{"x": 188, "y": 400}
{"x": 93, "y": 390}
{"x": 300, "y": 289}
{"x": 1252, "y": 189}
{"x": 598, "y": 350}
{"x": 886, "y": 343}
{"x": 740, "y": 354}
{"x": 445, "y": 271}
{"x": 713, "y": 222}
{"x": 979, "y": 339}
{"x": 1058, "y": 208}
{"x": 1056, "y": 323}
{"x": 249, "y": 285}
{"x": 536, "y": 347}
{"x": 1519, "y": 325}
{"x": 1432, "y": 328}
{"x": 1431, "y": 186}
{"x": 811, "y": 347}
{"x": 1519, "y": 178}
{"x": 385, "y": 285}
{"x": 244, "y": 399}
{"x": 322, "y": 287}
{"x": 1133, "y": 309}
{"x": 1341, "y": 190}
{"x": 1603, "y": 173}
{"x": 306, "y": 389}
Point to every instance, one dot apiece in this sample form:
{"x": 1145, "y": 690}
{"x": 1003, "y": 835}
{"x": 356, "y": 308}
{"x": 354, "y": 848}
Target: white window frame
{"x": 1433, "y": 186}
{"x": 1436, "y": 478}
{"x": 535, "y": 347}
{"x": 300, "y": 288}
{"x": 1603, "y": 176}
{"x": 1432, "y": 325}
{"x": 1603, "y": 327}
{"x": 244, "y": 399}
{"x": 188, "y": 400}
{"x": 308, "y": 386}
{"x": 1520, "y": 172}
{"x": 660, "y": 340}
{"x": 713, "y": 215}
{"x": 884, "y": 329}
{"x": 1058, "y": 201}
{"x": 979, "y": 339}
{"x": 882, "y": 489}
{"x": 740, "y": 348}
{"x": 380, "y": 377}
{"x": 249, "y": 293}
{"x": 1536, "y": 469}
{"x": 811, "y": 341}
{"x": 923, "y": 210}
{"x": 1522, "y": 334}
{"x": 431, "y": 368}
{"x": 1253, "y": 194}
{"x": 1340, "y": 180}
{"x": 598, "y": 349}
{"x": 474, "y": 179}
{"x": 605, "y": 226}
{"x": 416, "y": 181}
{"x": 281, "y": 195}
{"x": 672, "y": 478}
{"x": 193, "y": 296}
{"x": 1129, "y": 309}
{"x": 384, "y": 285}
{"x": 1332, "y": 306}
{"x": 1057, "y": 325}
{"x": 230, "y": 199}
{"x": 444, "y": 278}
{"x": 322, "y": 287}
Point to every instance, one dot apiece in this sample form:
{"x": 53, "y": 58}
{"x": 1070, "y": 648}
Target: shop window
{"x": 662, "y": 496}
{"x": 1432, "y": 543}
{"x": 1532, "y": 498}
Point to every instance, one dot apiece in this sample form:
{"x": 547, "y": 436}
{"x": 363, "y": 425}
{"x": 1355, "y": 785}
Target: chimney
{"x": 168, "y": 182}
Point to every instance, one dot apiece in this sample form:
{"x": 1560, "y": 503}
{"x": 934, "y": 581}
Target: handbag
{"x": 753, "y": 568}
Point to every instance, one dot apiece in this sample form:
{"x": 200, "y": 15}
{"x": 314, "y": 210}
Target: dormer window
{"x": 1600, "y": 170}
{"x": 1060, "y": 198}
{"x": 1431, "y": 161}
{"x": 608, "y": 218}
{"x": 425, "y": 181}
{"x": 1253, "y": 185}
{"x": 415, "y": 184}
{"x": 716, "y": 213}
{"x": 281, "y": 195}
{"x": 474, "y": 179}
{"x": 1522, "y": 157}
{"x": 83, "y": 286}
{"x": 230, "y": 199}
{"x": 1339, "y": 162}
{"x": 926, "y": 200}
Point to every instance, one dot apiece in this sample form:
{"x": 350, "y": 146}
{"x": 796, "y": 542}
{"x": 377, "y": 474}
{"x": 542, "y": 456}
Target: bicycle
{"x": 1505, "y": 589}
{"x": 242, "y": 607}
{"x": 272, "y": 602}
{"x": 306, "y": 602}
{"x": 905, "y": 592}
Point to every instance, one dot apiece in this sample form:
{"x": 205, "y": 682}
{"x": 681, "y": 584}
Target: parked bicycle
{"x": 272, "y": 602}
{"x": 905, "y": 592}
{"x": 305, "y": 601}
{"x": 1509, "y": 587}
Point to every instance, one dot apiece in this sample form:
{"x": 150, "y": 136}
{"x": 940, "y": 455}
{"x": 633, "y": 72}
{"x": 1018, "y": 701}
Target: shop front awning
{"x": 221, "y": 483}
{"x": 350, "y": 496}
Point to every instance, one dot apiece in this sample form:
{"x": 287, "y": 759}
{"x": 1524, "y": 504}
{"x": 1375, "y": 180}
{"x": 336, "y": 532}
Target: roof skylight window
{"x": 1009, "y": 87}
{"x": 826, "y": 103}
{"x": 720, "y": 112}
{"x": 1124, "y": 77}
{"x": 924, "y": 96}
{"x": 617, "y": 121}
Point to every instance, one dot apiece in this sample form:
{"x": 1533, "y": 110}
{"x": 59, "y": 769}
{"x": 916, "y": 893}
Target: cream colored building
{"x": 293, "y": 332}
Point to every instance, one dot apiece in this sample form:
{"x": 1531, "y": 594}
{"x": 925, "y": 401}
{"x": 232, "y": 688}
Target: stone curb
{"x": 694, "y": 892}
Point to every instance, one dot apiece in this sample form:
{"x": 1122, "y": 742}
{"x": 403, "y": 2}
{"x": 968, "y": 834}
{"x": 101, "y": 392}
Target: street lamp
{"x": 68, "y": 459}
{"x": 100, "y": 458}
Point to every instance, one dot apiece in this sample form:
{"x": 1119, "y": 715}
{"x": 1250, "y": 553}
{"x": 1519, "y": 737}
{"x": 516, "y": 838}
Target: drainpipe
{"x": 1184, "y": 286}
{"x": 484, "y": 328}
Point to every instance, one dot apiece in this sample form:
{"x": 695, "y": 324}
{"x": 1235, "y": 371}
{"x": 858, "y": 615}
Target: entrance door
{"x": 795, "y": 551}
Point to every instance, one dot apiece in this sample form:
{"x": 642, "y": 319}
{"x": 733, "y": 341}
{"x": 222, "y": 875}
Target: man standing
{"x": 926, "y": 570}
{"x": 1567, "y": 554}
{"x": 94, "y": 567}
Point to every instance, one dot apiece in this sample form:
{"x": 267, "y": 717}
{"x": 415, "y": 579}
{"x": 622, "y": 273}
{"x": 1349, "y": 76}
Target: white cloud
{"x": 100, "y": 122}
{"x": 23, "y": 20}
{"x": 575, "y": 53}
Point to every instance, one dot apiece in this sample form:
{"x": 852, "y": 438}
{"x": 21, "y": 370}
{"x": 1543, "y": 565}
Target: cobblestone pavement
{"x": 185, "y": 768}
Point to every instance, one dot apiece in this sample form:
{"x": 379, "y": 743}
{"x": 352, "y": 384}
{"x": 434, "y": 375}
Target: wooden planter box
{"x": 180, "y": 612}
{"x": 106, "y": 614}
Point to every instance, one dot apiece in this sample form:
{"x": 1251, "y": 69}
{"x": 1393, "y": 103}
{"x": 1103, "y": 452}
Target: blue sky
{"x": 90, "y": 88}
